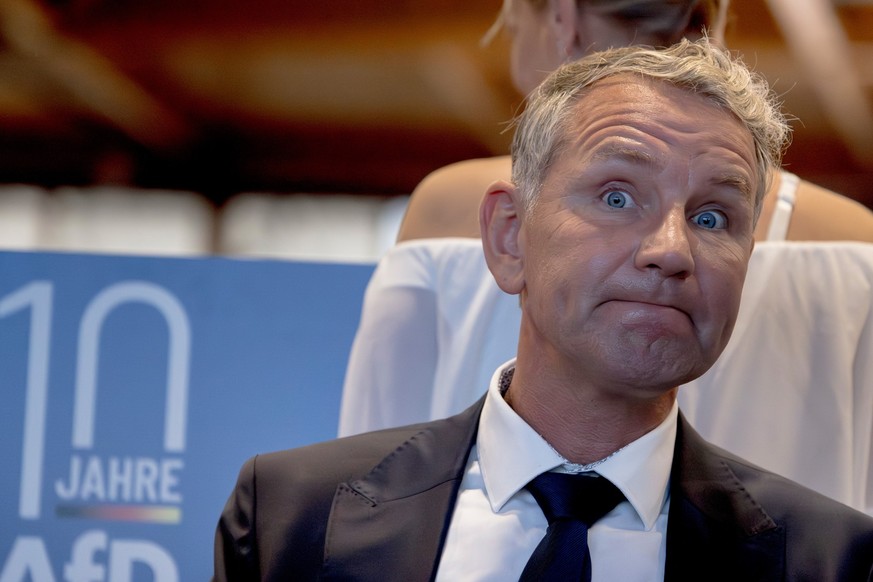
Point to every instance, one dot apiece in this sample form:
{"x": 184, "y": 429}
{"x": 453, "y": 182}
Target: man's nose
{"x": 665, "y": 246}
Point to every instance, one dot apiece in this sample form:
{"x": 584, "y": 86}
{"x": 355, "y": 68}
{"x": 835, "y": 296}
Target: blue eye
{"x": 710, "y": 219}
{"x": 617, "y": 198}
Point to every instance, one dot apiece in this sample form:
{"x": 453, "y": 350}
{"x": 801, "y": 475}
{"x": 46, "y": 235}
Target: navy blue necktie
{"x": 571, "y": 503}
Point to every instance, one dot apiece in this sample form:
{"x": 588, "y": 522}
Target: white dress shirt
{"x": 497, "y": 523}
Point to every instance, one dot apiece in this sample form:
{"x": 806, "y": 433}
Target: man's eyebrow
{"x": 738, "y": 181}
{"x": 625, "y": 153}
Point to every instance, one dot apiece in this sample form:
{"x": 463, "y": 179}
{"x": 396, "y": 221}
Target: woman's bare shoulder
{"x": 821, "y": 214}
{"x": 446, "y": 202}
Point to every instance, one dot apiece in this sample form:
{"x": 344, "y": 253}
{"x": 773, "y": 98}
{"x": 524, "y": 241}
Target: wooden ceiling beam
{"x": 94, "y": 82}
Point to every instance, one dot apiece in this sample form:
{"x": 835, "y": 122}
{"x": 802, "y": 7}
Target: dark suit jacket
{"x": 376, "y": 507}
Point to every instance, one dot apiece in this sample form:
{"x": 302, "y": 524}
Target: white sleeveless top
{"x": 784, "y": 207}
{"x": 792, "y": 392}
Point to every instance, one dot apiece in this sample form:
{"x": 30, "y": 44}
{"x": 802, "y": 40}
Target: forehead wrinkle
{"x": 624, "y": 120}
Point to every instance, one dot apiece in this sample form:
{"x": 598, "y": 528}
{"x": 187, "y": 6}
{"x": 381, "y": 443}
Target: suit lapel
{"x": 716, "y": 530}
{"x": 393, "y": 521}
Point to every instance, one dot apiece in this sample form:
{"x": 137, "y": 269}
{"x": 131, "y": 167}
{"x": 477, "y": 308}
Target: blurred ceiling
{"x": 361, "y": 96}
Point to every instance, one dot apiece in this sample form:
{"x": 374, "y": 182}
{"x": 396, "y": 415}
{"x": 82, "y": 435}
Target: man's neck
{"x": 584, "y": 423}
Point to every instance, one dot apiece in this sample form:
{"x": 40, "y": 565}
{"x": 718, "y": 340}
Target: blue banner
{"x": 134, "y": 388}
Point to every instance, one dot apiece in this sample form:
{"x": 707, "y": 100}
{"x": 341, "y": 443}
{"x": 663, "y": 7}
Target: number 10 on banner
{"x": 37, "y": 296}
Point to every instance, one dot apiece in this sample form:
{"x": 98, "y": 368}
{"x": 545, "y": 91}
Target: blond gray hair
{"x": 698, "y": 67}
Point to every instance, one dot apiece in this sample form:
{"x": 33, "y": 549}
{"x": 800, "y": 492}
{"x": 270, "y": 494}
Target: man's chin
{"x": 662, "y": 369}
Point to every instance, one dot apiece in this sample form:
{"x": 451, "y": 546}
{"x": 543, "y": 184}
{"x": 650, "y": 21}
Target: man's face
{"x": 635, "y": 254}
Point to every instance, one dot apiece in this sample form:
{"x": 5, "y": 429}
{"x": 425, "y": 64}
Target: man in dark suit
{"x": 638, "y": 176}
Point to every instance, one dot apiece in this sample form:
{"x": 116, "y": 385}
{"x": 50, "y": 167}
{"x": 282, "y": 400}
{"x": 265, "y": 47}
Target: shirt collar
{"x": 511, "y": 454}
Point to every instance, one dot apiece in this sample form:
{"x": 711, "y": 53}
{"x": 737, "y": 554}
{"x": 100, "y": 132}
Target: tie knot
{"x": 584, "y": 498}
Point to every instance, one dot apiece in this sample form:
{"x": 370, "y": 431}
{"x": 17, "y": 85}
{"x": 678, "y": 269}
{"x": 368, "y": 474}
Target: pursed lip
{"x": 655, "y": 303}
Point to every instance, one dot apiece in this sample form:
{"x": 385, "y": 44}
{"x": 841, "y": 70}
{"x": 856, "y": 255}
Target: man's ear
{"x": 500, "y": 226}
{"x": 564, "y": 21}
